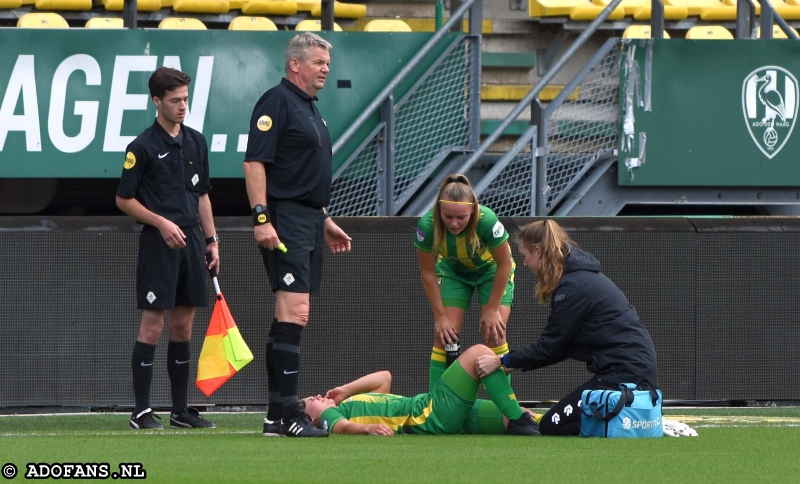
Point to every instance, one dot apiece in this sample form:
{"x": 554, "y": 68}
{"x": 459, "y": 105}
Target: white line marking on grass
{"x": 114, "y": 433}
{"x": 113, "y": 414}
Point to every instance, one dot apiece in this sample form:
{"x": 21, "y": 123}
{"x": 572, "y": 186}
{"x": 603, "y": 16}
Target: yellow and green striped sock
{"x": 437, "y": 368}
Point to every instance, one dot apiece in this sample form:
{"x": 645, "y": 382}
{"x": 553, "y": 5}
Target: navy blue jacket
{"x": 591, "y": 321}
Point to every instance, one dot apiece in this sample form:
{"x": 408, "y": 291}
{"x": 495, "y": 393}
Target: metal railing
{"x": 439, "y": 115}
{"x": 524, "y": 180}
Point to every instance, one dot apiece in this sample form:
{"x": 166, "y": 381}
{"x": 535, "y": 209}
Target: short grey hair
{"x": 300, "y": 45}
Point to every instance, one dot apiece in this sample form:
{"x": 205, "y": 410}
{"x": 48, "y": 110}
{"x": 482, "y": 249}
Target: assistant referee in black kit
{"x": 287, "y": 170}
{"x": 164, "y": 186}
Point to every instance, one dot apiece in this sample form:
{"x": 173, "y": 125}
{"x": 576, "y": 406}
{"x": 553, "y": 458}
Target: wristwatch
{"x": 212, "y": 239}
{"x": 260, "y": 215}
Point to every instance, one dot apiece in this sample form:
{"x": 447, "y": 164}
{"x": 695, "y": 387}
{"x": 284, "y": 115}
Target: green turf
{"x": 735, "y": 445}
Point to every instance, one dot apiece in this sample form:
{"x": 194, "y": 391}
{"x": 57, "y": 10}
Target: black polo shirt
{"x": 165, "y": 175}
{"x": 288, "y": 135}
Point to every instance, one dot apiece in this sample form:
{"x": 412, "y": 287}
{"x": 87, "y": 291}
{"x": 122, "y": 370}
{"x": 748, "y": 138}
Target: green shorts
{"x": 453, "y": 398}
{"x": 484, "y": 419}
{"x": 457, "y": 287}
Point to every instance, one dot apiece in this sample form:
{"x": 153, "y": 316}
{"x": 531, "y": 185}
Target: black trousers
{"x": 564, "y": 418}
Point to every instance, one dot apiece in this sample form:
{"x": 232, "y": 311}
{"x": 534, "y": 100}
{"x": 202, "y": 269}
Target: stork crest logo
{"x": 769, "y": 102}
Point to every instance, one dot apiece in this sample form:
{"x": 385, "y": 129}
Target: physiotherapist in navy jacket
{"x": 590, "y": 320}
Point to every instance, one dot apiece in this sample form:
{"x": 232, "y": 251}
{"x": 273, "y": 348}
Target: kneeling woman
{"x": 590, "y": 320}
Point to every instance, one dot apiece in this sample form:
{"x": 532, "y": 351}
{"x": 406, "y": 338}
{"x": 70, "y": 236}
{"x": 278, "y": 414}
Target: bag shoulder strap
{"x": 625, "y": 397}
{"x": 645, "y": 385}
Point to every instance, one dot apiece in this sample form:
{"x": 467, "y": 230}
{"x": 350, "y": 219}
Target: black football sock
{"x": 142, "y": 369}
{"x": 178, "y": 357}
{"x": 275, "y": 407}
{"x": 286, "y": 358}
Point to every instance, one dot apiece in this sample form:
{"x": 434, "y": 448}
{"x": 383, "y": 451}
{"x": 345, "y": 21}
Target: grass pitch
{"x": 735, "y": 445}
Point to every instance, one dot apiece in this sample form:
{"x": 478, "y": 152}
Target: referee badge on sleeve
{"x": 130, "y": 160}
{"x": 264, "y": 123}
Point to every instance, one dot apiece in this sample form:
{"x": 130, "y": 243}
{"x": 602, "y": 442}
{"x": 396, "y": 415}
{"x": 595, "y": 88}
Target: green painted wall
{"x": 710, "y": 117}
{"x": 70, "y": 101}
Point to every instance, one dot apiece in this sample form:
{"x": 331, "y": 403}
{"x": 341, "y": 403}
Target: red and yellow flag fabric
{"x": 224, "y": 350}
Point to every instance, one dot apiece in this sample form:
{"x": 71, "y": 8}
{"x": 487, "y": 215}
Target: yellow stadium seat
{"x": 708, "y": 10}
{"x": 105, "y": 23}
{"x": 639, "y": 32}
{"x": 10, "y": 4}
{"x": 777, "y": 32}
{"x": 269, "y": 7}
{"x": 252, "y": 23}
{"x": 167, "y": 3}
{"x": 578, "y": 10}
{"x": 236, "y": 4}
{"x": 341, "y": 10}
{"x": 708, "y": 32}
{"x": 314, "y": 25}
{"x": 640, "y": 9}
{"x": 141, "y": 5}
{"x": 200, "y": 6}
{"x": 39, "y": 20}
{"x": 181, "y": 23}
{"x": 787, "y": 10}
{"x": 28, "y": 2}
{"x": 732, "y": 3}
{"x": 386, "y": 25}
{"x": 63, "y": 4}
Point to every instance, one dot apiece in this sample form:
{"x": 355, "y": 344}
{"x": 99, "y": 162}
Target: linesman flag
{"x": 224, "y": 350}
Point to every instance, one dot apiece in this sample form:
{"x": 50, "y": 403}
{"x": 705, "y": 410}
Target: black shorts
{"x": 302, "y": 230}
{"x": 166, "y": 277}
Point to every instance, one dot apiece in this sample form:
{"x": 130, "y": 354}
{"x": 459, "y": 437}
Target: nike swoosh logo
{"x": 181, "y": 362}
{"x": 289, "y": 372}
{"x": 160, "y": 156}
{"x": 146, "y": 364}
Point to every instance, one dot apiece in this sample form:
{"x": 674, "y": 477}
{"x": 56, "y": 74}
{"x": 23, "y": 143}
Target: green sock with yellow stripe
{"x": 500, "y": 392}
{"x": 437, "y": 368}
{"x": 500, "y": 351}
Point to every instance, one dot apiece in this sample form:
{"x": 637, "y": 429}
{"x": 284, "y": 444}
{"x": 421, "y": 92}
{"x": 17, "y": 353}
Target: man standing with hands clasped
{"x": 287, "y": 171}
{"x": 164, "y": 186}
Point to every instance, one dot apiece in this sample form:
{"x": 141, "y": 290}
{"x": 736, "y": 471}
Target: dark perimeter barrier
{"x": 718, "y": 296}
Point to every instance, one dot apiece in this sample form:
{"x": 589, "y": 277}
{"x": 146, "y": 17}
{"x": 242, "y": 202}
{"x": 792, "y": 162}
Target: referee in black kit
{"x": 164, "y": 186}
{"x": 287, "y": 170}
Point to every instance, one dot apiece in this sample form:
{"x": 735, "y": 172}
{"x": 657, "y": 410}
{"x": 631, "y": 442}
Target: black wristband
{"x": 212, "y": 239}
{"x": 260, "y": 215}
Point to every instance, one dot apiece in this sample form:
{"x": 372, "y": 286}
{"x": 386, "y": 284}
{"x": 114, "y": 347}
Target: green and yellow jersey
{"x": 449, "y": 409}
{"x": 396, "y": 411}
{"x": 455, "y": 252}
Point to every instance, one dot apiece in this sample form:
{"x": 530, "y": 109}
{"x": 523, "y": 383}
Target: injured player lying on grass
{"x": 366, "y": 405}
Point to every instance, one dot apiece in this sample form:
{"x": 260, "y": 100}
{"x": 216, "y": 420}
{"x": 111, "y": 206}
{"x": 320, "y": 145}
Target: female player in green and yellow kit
{"x": 471, "y": 252}
{"x": 366, "y": 406}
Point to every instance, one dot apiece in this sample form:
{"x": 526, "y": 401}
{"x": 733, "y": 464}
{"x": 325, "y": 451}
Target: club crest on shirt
{"x": 264, "y": 123}
{"x": 420, "y": 235}
{"x": 130, "y": 160}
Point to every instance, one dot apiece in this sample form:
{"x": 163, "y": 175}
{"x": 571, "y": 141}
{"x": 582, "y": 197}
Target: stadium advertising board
{"x": 71, "y": 101}
{"x": 709, "y": 113}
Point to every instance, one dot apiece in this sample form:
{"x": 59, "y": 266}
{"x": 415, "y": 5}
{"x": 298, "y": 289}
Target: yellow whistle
{"x": 282, "y": 248}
